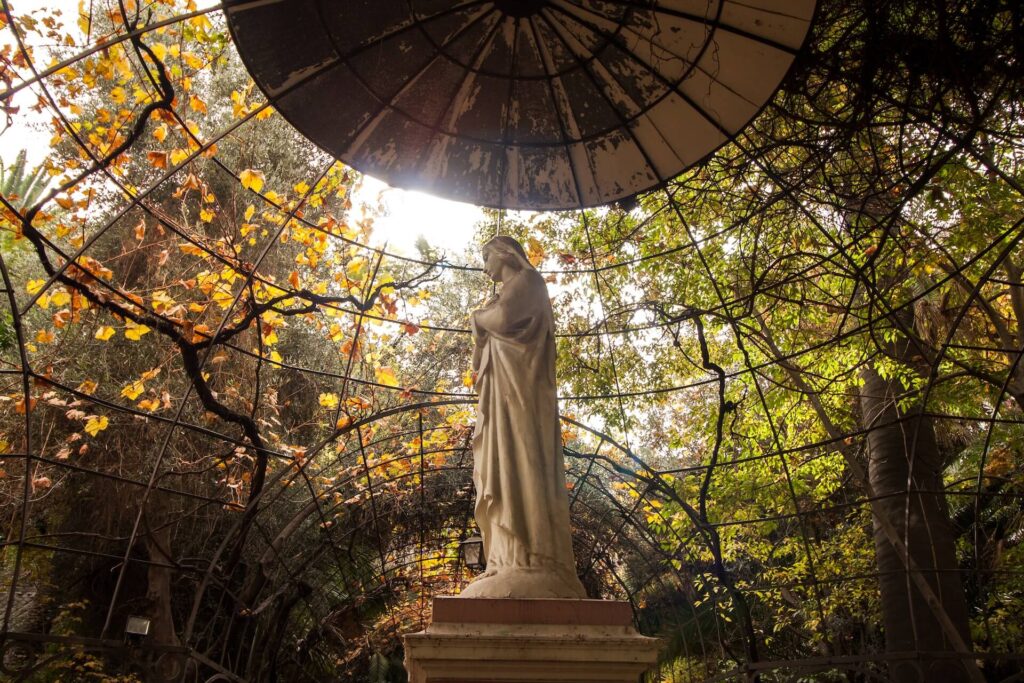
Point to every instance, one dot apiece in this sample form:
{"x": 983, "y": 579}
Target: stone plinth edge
{"x": 484, "y": 640}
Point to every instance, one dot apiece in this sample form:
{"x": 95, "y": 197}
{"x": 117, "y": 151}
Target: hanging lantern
{"x": 520, "y": 104}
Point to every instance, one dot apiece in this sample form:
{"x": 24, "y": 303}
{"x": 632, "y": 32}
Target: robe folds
{"x": 522, "y": 506}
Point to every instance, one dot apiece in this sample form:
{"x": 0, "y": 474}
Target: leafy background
{"x": 222, "y": 409}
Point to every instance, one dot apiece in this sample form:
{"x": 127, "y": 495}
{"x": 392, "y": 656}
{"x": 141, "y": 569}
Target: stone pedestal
{"x": 483, "y": 640}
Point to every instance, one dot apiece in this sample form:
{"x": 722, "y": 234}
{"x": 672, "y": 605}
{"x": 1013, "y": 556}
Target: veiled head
{"x": 503, "y": 255}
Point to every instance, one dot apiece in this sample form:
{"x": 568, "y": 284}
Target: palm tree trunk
{"x": 905, "y": 471}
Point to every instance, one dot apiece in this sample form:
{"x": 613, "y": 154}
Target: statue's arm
{"x": 492, "y": 318}
{"x": 514, "y": 310}
{"x": 478, "y": 342}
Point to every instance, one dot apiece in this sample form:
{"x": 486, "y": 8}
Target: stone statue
{"x": 522, "y": 506}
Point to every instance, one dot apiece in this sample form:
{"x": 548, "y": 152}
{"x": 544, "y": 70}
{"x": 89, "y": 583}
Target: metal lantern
{"x": 136, "y": 629}
{"x": 520, "y": 104}
{"x": 473, "y": 553}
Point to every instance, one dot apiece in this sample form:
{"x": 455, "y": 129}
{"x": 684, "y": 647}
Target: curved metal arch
{"x": 289, "y": 527}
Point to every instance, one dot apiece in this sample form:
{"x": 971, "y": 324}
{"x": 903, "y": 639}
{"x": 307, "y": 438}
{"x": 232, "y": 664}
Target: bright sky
{"x": 404, "y": 215}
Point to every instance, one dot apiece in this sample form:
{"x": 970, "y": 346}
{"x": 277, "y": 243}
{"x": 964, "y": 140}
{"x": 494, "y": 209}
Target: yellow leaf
{"x": 178, "y": 156}
{"x": 118, "y": 95}
{"x": 134, "y": 331}
{"x": 192, "y": 60}
{"x": 205, "y": 216}
{"x": 386, "y": 376}
{"x": 133, "y": 390}
{"x": 329, "y": 401}
{"x": 301, "y": 188}
{"x": 251, "y": 180}
{"x": 343, "y": 421}
{"x": 88, "y": 387}
{"x": 354, "y": 268}
{"x": 534, "y": 251}
{"x": 104, "y": 333}
{"x": 96, "y": 424}
{"x": 160, "y": 132}
{"x": 249, "y": 211}
{"x": 60, "y": 298}
{"x": 222, "y": 297}
{"x": 34, "y": 286}
{"x": 44, "y": 336}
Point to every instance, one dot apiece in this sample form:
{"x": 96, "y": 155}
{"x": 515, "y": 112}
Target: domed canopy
{"x": 522, "y": 104}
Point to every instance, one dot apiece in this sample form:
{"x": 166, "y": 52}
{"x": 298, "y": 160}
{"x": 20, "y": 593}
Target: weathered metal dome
{"x": 524, "y": 104}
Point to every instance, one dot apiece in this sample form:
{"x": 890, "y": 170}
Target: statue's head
{"x": 503, "y": 256}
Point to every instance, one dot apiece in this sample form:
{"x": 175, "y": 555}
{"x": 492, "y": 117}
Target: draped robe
{"x": 522, "y": 506}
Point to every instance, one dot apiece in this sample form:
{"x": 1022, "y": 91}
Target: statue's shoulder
{"x": 532, "y": 278}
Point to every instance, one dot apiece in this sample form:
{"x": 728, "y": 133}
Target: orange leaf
{"x": 20, "y": 405}
{"x": 150, "y": 404}
{"x": 200, "y": 333}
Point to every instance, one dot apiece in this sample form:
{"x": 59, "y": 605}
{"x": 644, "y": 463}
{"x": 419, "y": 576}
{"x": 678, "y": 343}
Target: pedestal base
{"x": 483, "y": 640}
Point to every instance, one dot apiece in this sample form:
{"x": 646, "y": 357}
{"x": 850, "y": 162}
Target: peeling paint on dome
{"x": 557, "y": 104}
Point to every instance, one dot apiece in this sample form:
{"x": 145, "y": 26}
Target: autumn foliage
{"x": 225, "y": 406}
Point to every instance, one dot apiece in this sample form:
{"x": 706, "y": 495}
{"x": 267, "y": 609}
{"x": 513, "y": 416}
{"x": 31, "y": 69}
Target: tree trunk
{"x": 905, "y": 471}
{"x": 159, "y": 596}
